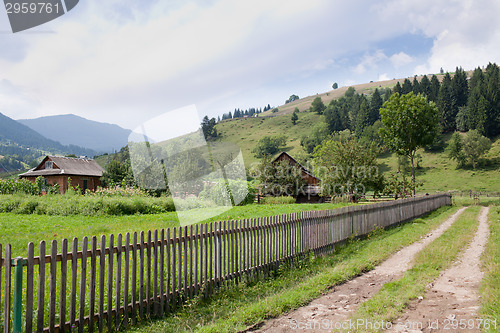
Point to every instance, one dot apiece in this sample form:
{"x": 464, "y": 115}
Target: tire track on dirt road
{"x": 337, "y": 305}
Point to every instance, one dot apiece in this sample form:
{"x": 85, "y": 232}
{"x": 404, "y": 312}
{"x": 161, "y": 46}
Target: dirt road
{"x": 451, "y": 304}
{"x": 337, "y": 305}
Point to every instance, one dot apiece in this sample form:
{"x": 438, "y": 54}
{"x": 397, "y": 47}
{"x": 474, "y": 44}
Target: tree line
{"x": 464, "y": 103}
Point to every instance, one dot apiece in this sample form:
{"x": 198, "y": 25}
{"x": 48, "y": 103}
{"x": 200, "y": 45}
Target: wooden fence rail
{"x": 106, "y": 284}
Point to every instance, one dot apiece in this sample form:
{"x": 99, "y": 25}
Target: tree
{"x": 335, "y": 86}
{"x": 406, "y": 87}
{"x": 447, "y": 106}
{"x": 292, "y": 98}
{"x": 455, "y": 149}
{"x": 409, "y": 122}
{"x": 295, "y": 116}
{"x": 375, "y": 105}
{"x": 318, "y": 106}
{"x": 474, "y": 146}
{"x": 269, "y": 145}
{"x": 460, "y": 87}
{"x": 208, "y": 128}
{"x": 435, "y": 85}
{"x": 318, "y": 133}
{"x": 347, "y": 166}
{"x": 397, "y": 88}
{"x": 425, "y": 86}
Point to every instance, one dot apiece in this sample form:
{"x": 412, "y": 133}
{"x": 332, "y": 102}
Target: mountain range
{"x": 70, "y": 129}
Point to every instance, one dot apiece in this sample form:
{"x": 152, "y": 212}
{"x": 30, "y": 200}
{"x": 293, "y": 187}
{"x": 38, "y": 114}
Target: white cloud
{"x": 383, "y": 77}
{"x": 401, "y": 59}
{"x": 370, "y": 61}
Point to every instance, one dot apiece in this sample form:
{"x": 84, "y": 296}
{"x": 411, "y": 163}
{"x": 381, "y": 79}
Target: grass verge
{"x": 490, "y": 287}
{"x": 241, "y": 306}
{"x": 392, "y": 299}
{"x": 20, "y": 229}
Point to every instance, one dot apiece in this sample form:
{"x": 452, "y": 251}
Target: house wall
{"x": 62, "y": 180}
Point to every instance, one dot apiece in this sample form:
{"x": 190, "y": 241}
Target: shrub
{"x": 284, "y": 200}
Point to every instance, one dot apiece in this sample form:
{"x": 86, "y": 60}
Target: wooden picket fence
{"x": 109, "y": 283}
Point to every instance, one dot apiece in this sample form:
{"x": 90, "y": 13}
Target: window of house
{"x": 49, "y": 165}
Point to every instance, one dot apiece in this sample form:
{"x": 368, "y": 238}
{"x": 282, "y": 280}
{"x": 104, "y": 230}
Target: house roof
{"x": 66, "y": 166}
{"x": 295, "y": 161}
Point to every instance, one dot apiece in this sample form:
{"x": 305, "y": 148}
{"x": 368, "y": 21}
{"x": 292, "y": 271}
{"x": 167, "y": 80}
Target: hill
{"x": 437, "y": 171}
{"x": 20, "y": 146}
{"x": 75, "y": 130}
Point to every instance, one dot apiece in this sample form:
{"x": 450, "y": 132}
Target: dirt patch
{"x": 451, "y": 304}
{"x": 336, "y": 306}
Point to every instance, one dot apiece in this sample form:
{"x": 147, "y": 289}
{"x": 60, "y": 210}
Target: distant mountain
{"x": 15, "y": 134}
{"x": 75, "y": 130}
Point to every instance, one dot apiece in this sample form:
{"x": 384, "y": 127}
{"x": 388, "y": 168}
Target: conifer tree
{"x": 447, "y": 105}
{"x": 425, "y": 86}
{"x": 375, "y": 105}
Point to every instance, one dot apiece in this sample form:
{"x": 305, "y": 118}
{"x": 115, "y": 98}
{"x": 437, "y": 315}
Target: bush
{"x": 284, "y": 200}
{"x": 84, "y": 205}
{"x": 238, "y": 188}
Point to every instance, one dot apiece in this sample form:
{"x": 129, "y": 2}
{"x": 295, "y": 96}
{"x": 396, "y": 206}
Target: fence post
{"x": 19, "y": 263}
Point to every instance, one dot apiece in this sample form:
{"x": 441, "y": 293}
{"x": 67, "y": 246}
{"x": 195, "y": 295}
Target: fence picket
{"x": 110, "y": 320}
{"x": 8, "y": 288}
{"x": 126, "y": 281}
{"x": 93, "y": 278}
{"x": 83, "y": 281}
{"x": 29, "y": 284}
{"x": 102, "y": 273}
{"x": 118, "y": 279}
{"x": 41, "y": 287}
{"x": 52, "y": 285}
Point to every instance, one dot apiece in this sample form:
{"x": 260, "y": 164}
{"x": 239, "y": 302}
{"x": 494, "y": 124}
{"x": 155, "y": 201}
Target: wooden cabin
{"x": 312, "y": 190}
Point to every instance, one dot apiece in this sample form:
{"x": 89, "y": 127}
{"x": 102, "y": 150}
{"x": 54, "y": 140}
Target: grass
{"x": 241, "y": 306}
{"x": 490, "y": 287}
{"x": 439, "y": 173}
{"x": 20, "y": 229}
{"x": 392, "y": 299}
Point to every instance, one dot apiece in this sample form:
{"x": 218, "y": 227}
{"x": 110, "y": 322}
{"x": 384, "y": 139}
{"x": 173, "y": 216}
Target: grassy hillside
{"x": 437, "y": 171}
{"x": 245, "y": 132}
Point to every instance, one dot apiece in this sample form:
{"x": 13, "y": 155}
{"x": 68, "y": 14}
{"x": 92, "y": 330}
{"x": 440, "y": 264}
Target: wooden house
{"x": 82, "y": 172}
{"x": 312, "y": 190}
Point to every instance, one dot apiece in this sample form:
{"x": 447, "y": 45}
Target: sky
{"x": 126, "y": 62}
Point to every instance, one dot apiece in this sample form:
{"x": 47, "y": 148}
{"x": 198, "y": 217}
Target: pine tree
{"x": 295, "y": 116}
{"x": 492, "y": 123}
{"x": 447, "y": 105}
{"x": 397, "y": 88}
{"x": 362, "y": 117}
{"x": 435, "y": 85}
{"x": 375, "y": 105}
{"x": 416, "y": 86}
{"x": 407, "y": 86}
{"x": 460, "y": 87}
{"x": 425, "y": 86}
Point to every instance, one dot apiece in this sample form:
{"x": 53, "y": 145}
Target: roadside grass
{"x": 392, "y": 299}
{"x": 490, "y": 287}
{"x": 482, "y": 200}
{"x": 247, "y": 304}
{"x": 20, "y": 229}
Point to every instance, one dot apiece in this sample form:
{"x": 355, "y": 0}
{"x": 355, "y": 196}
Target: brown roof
{"x": 285, "y": 154}
{"x": 66, "y": 166}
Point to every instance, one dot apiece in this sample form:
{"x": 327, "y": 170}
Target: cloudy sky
{"x": 125, "y": 62}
